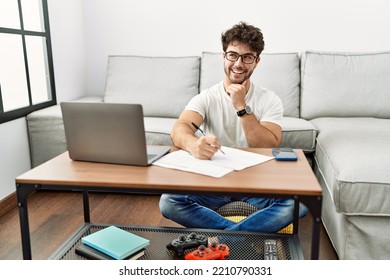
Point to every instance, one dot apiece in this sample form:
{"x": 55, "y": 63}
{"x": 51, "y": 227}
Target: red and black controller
{"x": 183, "y": 243}
{"x": 213, "y": 252}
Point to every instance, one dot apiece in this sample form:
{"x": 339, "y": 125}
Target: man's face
{"x": 237, "y": 72}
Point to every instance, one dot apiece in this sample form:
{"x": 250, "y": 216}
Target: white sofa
{"x": 347, "y": 98}
{"x": 164, "y": 85}
{"x": 336, "y": 110}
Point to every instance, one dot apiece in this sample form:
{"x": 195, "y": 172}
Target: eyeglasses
{"x": 246, "y": 58}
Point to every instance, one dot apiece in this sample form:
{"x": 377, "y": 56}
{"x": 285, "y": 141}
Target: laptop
{"x": 108, "y": 133}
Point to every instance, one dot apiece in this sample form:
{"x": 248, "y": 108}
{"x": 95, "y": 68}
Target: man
{"x": 233, "y": 113}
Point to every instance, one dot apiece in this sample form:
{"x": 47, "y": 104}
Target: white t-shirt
{"x": 220, "y": 117}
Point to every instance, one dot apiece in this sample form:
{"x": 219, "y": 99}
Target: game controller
{"x": 214, "y": 252}
{"x": 183, "y": 243}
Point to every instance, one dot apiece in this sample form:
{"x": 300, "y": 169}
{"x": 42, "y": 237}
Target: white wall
{"x": 68, "y": 44}
{"x": 183, "y": 27}
{"x": 67, "y": 30}
{"x": 14, "y": 154}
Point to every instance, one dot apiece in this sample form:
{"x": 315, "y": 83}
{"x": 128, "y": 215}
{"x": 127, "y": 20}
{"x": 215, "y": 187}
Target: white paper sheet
{"x": 218, "y": 166}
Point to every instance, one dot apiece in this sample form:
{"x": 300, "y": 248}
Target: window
{"x": 26, "y": 66}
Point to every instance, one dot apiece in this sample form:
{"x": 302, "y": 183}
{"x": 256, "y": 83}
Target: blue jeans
{"x": 196, "y": 211}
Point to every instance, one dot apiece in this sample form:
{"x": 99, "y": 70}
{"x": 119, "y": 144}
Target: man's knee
{"x": 289, "y": 207}
{"x": 168, "y": 204}
{"x": 303, "y": 210}
{"x": 165, "y": 204}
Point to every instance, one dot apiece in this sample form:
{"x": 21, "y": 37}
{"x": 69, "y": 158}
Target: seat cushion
{"x": 352, "y": 156}
{"x": 158, "y": 130}
{"x": 345, "y": 85}
{"x": 163, "y": 85}
{"x": 46, "y": 132}
{"x": 278, "y": 72}
{"x": 298, "y": 134}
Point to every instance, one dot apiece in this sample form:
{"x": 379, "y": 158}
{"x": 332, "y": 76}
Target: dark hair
{"x": 246, "y": 34}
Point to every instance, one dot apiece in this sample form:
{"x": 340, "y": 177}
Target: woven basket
{"x": 236, "y": 211}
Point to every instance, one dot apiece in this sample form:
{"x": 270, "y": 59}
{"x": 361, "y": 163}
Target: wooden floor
{"x": 54, "y": 216}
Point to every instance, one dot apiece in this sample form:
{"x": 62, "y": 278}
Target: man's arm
{"x": 183, "y": 136}
{"x": 258, "y": 134}
{"x": 261, "y": 134}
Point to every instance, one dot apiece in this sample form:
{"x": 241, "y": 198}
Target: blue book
{"x": 92, "y": 254}
{"x": 115, "y": 242}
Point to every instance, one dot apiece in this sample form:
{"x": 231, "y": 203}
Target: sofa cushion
{"x": 163, "y": 85}
{"x": 354, "y": 237}
{"x": 298, "y": 134}
{"x": 345, "y": 85}
{"x": 278, "y": 72}
{"x": 158, "y": 130}
{"x": 46, "y": 132}
{"x": 352, "y": 156}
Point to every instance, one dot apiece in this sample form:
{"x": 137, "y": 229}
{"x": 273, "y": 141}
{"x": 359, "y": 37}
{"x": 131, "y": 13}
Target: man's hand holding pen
{"x": 206, "y": 146}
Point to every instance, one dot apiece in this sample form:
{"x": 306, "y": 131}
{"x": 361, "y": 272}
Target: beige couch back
{"x": 163, "y": 85}
{"x": 345, "y": 84}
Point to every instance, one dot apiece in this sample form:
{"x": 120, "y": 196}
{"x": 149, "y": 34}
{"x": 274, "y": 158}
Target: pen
{"x": 198, "y": 128}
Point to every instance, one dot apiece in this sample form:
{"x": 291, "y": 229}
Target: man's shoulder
{"x": 214, "y": 88}
{"x": 215, "y": 92}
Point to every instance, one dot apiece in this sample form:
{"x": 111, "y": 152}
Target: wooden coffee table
{"x": 271, "y": 179}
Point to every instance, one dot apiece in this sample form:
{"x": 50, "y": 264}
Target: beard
{"x": 237, "y": 75}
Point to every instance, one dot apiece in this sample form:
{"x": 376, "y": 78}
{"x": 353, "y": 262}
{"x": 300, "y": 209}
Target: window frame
{"x": 24, "y": 111}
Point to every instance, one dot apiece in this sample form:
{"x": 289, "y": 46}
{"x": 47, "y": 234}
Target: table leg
{"x": 314, "y": 203}
{"x": 315, "y": 243}
{"x": 296, "y": 215}
{"x": 22, "y": 192}
{"x": 87, "y": 217}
